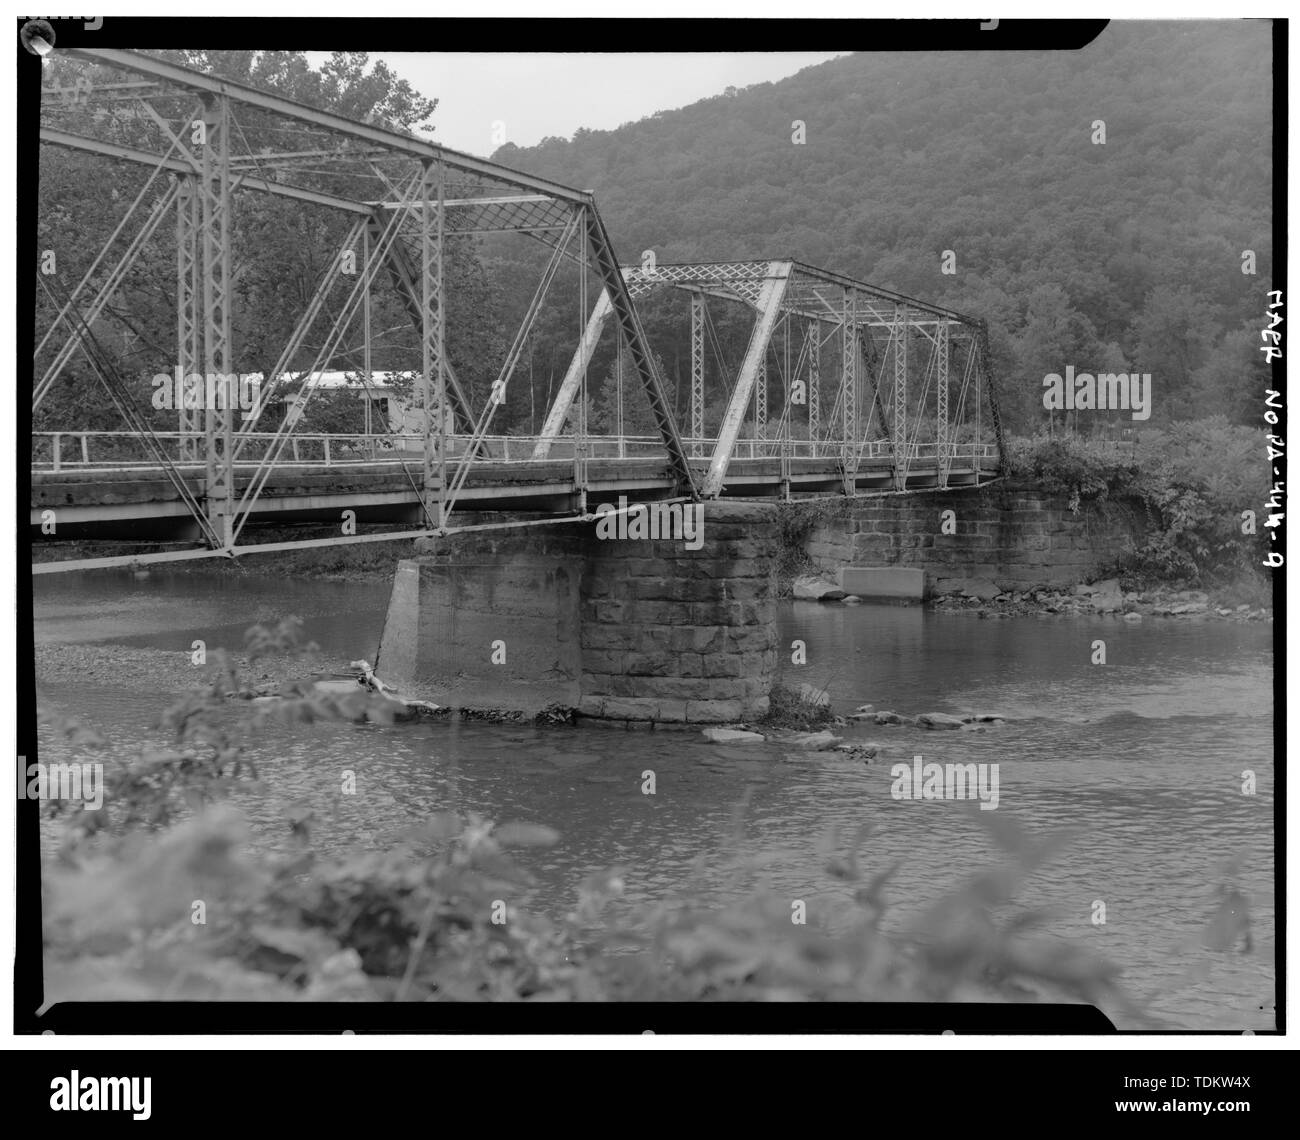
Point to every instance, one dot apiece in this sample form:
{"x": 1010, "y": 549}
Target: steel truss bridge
{"x": 844, "y": 387}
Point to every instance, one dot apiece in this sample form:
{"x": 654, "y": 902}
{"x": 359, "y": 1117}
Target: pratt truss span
{"x": 843, "y": 387}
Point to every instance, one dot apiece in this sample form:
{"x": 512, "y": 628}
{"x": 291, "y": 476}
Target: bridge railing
{"x": 58, "y": 451}
{"x": 121, "y": 450}
{"x": 870, "y": 449}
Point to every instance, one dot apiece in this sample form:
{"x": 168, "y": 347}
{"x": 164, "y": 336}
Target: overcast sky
{"x": 532, "y": 96}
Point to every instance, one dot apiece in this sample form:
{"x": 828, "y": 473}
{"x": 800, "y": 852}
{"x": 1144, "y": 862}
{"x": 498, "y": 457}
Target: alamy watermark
{"x": 1105, "y": 392}
{"x": 681, "y": 521}
{"x": 75, "y": 1093}
{"x": 920, "y": 781}
{"x": 72, "y": 782}
{"x": 216, "y": 392}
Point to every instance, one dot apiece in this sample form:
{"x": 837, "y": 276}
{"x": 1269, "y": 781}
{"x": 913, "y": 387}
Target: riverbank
{"x": 1244, "y": 599}
{"x": 1161, "y": 602}
{"x": 168, "y": 672}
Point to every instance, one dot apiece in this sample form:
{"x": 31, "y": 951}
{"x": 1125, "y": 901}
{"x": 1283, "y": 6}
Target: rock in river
{"x": 980, "y": 588}
{"x": 732, "y": 736}
{"x": 810, "y": 589}
{"x": 1107, "y": 597}
{"x": 813, "y": 741}
{"x": 938, "y": 720}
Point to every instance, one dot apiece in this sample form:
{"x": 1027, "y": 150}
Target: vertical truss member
{"x": 814, "y": 341}
{"x": 697, "y": 374}
{"x": 433, "y": 371}
{"x": 189, "y": 414}
{"x": 849, "y": 391}
{"x": 901, "y": 456}
{"x": 984, "y": 375}
{"x": 943, "y": 455}
{"x": 218, "y": 356}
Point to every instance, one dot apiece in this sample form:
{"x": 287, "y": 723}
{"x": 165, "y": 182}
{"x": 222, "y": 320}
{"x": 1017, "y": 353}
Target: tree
{"x": 1055, "y": 335}
{"x": 280, "y": 251}
{"x": 1173, "y": 338}
{"x": 1234, "y": 377}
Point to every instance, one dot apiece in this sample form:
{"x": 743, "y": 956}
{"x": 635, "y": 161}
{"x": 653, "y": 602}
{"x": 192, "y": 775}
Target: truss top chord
{"x": 240, "y": 94}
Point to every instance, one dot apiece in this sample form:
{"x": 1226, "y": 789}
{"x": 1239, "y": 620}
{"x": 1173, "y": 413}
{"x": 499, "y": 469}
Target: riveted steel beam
{"x": 697, "y": 373}
{"x": 849, "y": 381}
{"x": 188, "y": 336}
{"x": 900, "y": 398}
{"x": 942, "y": 456}
{"x": 433, "y": 372}
{"x": 241, "y": 94}
{"x": 213, "y": 188}
{"x": 814, "y": 342}
{"x": 178, "y": 166}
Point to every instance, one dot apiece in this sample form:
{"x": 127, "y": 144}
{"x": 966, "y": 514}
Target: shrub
{"x": 796, "y": 522}
{"x": 790, "y": 708}
{"x": 1194, "y": 480}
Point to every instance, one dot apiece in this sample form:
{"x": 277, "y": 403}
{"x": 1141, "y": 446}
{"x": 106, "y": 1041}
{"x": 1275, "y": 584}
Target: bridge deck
{"x": 87, "y": 499}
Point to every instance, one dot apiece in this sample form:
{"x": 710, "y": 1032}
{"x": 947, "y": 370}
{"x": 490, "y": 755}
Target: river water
{"x": 1140, "y": 757}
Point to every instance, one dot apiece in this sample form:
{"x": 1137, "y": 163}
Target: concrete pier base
{"x": 883, "y": 583}
{"x": 484, "y": 633}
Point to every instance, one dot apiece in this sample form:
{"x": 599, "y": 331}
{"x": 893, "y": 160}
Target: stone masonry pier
{"x": 1012, "y": 534}
{"x": 623, "y": 629}
{"x": 640, "y": 629}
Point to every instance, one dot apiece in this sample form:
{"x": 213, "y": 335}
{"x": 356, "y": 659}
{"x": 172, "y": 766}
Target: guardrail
{"x": 121, "y": 450}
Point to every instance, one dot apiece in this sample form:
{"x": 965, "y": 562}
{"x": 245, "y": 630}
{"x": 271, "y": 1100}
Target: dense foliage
{"x": 1197, "y": 481}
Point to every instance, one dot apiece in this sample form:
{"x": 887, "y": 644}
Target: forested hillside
{"x": 1125, "y": 254}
